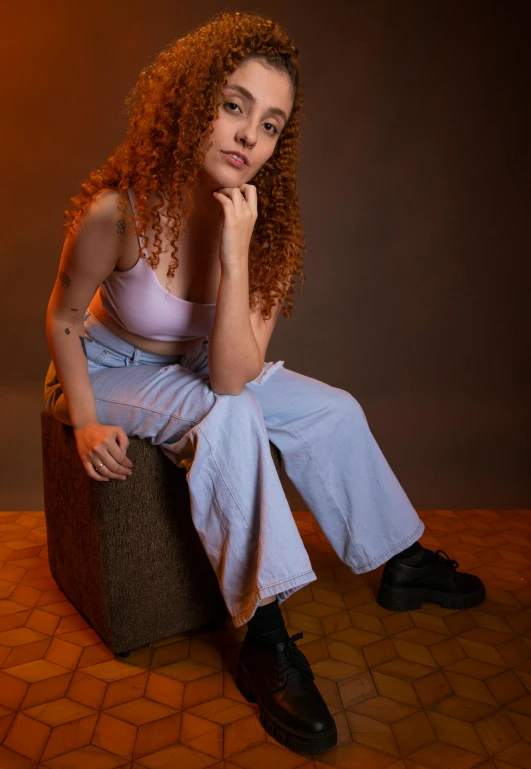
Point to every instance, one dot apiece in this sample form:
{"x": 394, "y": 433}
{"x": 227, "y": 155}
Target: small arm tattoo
{"x": 65, "y": 280}
{"x": 121, "y": 226}
{"x": 67, "y": 331}
{"x": 83, "y": 346}
{"x": 73, "y": 309}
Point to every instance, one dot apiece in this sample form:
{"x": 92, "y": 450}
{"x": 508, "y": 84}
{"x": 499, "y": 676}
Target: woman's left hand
{"x": 240, "y": 213}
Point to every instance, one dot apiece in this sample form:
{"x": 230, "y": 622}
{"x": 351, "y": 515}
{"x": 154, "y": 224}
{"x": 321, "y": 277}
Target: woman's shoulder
{"x": 100, "y": 228}
{"x": 104, "y": 204}
{"x": 102, "y": 213}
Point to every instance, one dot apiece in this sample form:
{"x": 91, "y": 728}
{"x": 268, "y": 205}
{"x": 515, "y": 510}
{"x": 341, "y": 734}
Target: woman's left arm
{"x": 235, "y": 357}
{"x": 233, "y": 353}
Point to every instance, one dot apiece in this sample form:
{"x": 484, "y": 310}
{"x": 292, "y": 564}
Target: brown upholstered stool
{"x": 126, "y": 553}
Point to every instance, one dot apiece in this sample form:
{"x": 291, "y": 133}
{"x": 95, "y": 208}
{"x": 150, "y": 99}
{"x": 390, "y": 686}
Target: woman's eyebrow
{"x": 248, "y": 95}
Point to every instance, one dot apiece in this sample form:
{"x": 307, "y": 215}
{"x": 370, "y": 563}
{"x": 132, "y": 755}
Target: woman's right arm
{"x": 89, "y": 255}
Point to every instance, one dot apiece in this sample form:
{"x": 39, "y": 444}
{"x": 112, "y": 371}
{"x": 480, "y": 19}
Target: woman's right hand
{"x": 107, "y": 444}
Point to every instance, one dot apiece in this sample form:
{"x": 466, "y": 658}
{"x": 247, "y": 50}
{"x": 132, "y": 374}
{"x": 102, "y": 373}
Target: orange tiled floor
{"x": 433, "y": 688}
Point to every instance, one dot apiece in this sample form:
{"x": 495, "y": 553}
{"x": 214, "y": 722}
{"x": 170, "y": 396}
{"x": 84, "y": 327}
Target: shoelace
{"x": 292, "y": 658}
{"x": 446, "y": 560}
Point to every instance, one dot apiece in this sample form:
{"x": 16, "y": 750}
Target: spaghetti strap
{"x": 133, "y": 206}
{"x": 132, "y": 199}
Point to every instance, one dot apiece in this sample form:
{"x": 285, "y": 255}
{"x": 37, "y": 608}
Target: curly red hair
{"x": 169, "y": 108}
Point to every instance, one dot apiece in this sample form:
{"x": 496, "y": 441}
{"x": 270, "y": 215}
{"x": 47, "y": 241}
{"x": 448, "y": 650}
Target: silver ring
{"x": 100, "y": 465}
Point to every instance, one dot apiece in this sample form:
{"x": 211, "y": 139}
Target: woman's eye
{"x": 233, "y": 104}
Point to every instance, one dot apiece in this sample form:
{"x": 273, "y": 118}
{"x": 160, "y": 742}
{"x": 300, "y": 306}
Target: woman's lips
{"x": 233, "y": 161}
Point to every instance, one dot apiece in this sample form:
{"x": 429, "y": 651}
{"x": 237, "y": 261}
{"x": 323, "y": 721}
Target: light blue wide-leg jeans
{"x": 238, "y": 505}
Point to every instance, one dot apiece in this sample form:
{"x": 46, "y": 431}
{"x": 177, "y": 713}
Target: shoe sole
{"x": 299, "y": 742}
{"x": 408, "y": 598}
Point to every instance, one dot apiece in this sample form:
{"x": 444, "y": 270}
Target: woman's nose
{"x": 248, "y": 137}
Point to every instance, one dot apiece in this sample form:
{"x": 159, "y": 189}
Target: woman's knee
{"x": 344, "y": 403}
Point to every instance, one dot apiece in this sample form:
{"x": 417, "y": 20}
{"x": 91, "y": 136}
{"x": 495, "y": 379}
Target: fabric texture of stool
{"x": 239, "y": 508}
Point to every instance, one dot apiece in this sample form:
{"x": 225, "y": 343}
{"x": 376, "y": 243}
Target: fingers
{"x": 123, "y": 440}
{"x": 227, "y": 194}
{"x": 118, "y": 450}
{"x": 91, "y": 472}
{"x": 245, "y": 193}
{"x": 238, "y": 199}
{"x": 249, "y": 190}
{"x": 251, "y": 196}
{"x": 220, "y": 197}
{"x": 109, "y": 461}
{"x": 116, "y": 461}
{"x": 101, "y": 449}
{"x": 224, "y": 191}
{"x": 105, "y": 466}
{"x": 105, "y": 463}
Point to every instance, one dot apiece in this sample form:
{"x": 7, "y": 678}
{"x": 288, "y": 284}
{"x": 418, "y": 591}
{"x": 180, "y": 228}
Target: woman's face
{"x": 257, "y": 103}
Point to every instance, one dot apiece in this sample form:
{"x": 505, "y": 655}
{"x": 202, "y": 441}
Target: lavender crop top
{"x": 136, "y": 300}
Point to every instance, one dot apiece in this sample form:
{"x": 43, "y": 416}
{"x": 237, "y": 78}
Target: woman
{"x": 169, "y": 340}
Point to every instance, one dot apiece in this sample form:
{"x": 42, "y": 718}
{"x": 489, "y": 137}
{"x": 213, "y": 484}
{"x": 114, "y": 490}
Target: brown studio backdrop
{"x": 414, "y": 188}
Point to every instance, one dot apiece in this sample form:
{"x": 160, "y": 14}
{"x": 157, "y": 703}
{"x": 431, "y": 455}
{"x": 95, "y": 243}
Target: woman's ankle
{"x": 265, "y": 621}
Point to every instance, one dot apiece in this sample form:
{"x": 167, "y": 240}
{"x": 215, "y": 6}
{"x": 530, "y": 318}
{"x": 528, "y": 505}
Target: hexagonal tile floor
{"x": 432, "y": 689}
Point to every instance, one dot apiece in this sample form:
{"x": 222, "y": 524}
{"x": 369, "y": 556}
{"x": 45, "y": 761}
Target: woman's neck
{"x": 206, "y": 208}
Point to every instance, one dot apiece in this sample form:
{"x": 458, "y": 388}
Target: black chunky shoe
{"x": 280, "y": 680}
{"x": 404, "y": 587}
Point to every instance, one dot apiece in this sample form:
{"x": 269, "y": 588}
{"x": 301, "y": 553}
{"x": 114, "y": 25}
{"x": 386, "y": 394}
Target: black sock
{"x": 414, "y": 555}
{"x": 265, "y": 619}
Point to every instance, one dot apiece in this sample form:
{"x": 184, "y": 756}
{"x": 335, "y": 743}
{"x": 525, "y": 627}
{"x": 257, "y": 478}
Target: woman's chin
{"x": 215, "y": 176}
{"x": 228, "y": 175}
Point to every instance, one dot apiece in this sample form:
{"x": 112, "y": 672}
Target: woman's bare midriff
{"x": 149, "y": 345}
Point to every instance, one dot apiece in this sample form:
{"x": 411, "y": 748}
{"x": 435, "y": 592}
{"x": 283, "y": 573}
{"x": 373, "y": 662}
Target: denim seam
{"x": 285, "y": 427}
{"x": 227, "y": 486}
{"x": 111, "y": 353}
{"x": 150, "y": 411}
{"x": 288, "y": 579}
